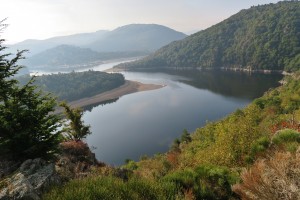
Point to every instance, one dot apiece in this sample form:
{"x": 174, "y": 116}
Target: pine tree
{"x": 28, "y": 129}
{"x": 75, "y": 127}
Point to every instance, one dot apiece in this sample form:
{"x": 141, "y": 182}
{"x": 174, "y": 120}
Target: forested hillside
{"x": 259, "y": 38}
{"x": 77, "y": 85}
{"x": 67, "y": 55}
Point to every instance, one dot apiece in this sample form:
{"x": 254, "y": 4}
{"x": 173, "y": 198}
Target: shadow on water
{"x": 148, "y": 122}
{"x": 227, "y": 83}
{"x": 92, "y": 106}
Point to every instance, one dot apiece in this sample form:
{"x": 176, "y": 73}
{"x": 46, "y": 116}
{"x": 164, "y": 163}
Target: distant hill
{"x": 37, "y": 46}
{"x": 126, "y": 41}
{"x": 136, "y": 37}
{"x": 262, "y": 37}
{"x": 67, "y": 55}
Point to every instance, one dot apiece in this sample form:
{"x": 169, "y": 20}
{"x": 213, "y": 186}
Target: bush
{"x": 276, "y": 178}
{"x": 258, "y": 147}
{"x": 286, "y": 135}
{"x": 205, "y": 182}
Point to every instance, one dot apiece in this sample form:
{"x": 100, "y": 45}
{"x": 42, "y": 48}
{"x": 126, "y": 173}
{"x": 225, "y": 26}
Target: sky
{"x": 41, "y": 19}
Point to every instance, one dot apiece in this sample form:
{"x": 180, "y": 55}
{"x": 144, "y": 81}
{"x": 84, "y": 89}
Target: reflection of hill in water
{"x": 90, "y": 107}
{"x": 229, "y": 83}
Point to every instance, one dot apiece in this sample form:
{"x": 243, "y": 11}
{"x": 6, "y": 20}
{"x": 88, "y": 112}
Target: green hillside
{"x": 259, "y": 38}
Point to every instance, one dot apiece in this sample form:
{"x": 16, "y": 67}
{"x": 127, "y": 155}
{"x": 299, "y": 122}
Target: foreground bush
{"x": 276, "y": 178}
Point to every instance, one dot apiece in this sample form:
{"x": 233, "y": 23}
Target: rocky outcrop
{"x": 76, "y": 160}
{"x": 29, "y": 181}
{"x": 34, "y": 176}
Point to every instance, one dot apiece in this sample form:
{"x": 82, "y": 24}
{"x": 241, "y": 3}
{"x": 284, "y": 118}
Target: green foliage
{"x": 99, "y": 187}
{"x": 259, "y": 146}
{"x": 186, "y": 137}
{"x": 130, "y": 165}
{"x": 206, "y": 181}
{"x": 175, "y": 145}
{"x": 28, "y": 129}
{"x": 77, "y": 85}
{"x": 75, "y": 129}
{"x": 259, "y": 38}
{"x": 286, "y": 135}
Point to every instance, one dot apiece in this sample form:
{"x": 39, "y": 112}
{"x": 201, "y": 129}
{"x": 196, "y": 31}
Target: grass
{"x": 112, "y": 188}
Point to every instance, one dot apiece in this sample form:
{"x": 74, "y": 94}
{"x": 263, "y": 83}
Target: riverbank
{"x": 127, "y": 88}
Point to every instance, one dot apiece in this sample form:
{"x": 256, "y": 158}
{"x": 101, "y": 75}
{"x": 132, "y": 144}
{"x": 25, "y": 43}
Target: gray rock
{"x": 32, "y": 178}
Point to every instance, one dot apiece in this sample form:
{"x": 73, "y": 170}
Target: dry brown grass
{"x": 272, "y": 179}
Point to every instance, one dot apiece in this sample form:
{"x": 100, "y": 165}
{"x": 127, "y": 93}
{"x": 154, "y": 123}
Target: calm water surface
{"x": 146, "y": 123}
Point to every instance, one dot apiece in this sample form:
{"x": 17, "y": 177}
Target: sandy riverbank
{"x": 128, "y": 88}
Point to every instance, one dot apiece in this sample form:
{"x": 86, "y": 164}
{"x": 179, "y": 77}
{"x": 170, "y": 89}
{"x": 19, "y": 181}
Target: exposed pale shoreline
{"x": 127, "y": 88}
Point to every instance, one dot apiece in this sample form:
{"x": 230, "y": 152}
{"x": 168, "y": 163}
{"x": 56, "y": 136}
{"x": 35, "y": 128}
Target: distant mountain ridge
{"x": 70, "y": 56}
{"x": 133, "y": 37}
{"x": 127, "y": 41}
{"x": 265, "y": 37}
{"x": 136, "y": 37}
{"x": 38, "y": 46}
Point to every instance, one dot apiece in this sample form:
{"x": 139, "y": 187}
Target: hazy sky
{"x": 40, "y": 19}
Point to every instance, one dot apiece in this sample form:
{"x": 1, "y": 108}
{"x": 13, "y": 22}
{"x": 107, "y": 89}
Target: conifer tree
{"x": 75, "y": 127}
{"x": 28, "y": 128}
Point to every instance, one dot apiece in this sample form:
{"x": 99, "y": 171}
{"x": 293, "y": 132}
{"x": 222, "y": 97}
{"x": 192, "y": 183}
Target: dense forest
{"x": 77, "y": 85}
{"x": 262, "y": 37}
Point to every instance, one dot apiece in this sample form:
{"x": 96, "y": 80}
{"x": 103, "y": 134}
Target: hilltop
{"x": 136, "y": 37}
{"x": 132, "y": 37}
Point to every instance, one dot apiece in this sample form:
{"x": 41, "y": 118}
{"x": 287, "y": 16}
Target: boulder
{"x": 29, "y": 181}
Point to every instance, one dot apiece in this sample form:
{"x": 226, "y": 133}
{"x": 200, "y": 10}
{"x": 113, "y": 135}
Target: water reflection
{"x": 147, "y": 122}
{"x": 91, "y": 106}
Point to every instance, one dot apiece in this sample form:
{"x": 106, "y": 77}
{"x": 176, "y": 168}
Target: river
{"x": 147, "y": 123}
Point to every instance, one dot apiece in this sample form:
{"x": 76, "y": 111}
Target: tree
{"x": 186, "y": 137}
{"x": 75, "y": 128}
{"x": 28, "y": 129}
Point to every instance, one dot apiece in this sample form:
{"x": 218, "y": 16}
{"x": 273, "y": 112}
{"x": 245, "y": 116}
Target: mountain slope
{"x": 62, "y": 55}
{"x": 37, "y": 46}
{"x": 262, "y": 37}
{"x": 136, "y": 37}
{"x": 67, "y": 55}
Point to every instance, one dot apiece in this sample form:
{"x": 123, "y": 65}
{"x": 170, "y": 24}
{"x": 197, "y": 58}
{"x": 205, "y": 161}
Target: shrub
{"x": 286, "y": 135}
{"x": 205, "y": 182}
{"x": 276, "y": 178}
